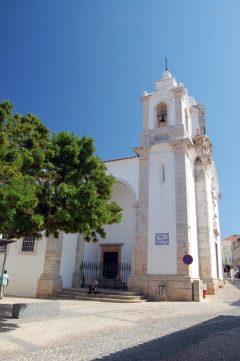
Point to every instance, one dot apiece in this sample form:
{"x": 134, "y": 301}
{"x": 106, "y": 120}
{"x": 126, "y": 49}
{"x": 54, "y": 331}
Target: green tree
{"x": 51, "y": 182}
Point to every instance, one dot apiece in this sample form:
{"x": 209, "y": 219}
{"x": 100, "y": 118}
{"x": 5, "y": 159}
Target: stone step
{"x": 99, "y": 298}
{"x": 102, "y": 291}
{"x": 101, "y": 295}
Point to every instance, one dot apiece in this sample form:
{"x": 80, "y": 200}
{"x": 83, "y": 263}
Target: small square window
{"x": 28, "y": 244}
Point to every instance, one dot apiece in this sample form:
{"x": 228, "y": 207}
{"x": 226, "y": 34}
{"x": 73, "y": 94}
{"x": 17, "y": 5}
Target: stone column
{"x": 141, "y": 247}
{"x": 205, "y": 230}
{"x": 77, "y": 277}
{"x": 138, "y": 279}
{"x": 50, "y": 282}
{"x": 204, "y": 204}
{"x": 144, "y": 138}
{"x": 182, "y": 232}
{"x": 203, "y": 223}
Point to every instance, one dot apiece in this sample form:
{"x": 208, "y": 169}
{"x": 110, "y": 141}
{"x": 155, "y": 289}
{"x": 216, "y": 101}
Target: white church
{"x": 169, "y": 235}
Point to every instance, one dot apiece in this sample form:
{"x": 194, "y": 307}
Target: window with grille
{"x": 28, "y": 244}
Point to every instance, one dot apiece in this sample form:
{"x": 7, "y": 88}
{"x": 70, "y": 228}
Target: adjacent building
{"x": 230, "y": 250}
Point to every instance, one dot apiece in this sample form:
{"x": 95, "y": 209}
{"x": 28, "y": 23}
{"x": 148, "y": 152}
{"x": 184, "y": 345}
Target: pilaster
{"x": 141, "y": 247}
{"x": 50, "y": 282}
{"x": 178, "y": 94}
{"x": 181, "y": 148}
{"x": 77, "y": 276}
{"x": 145, "y": 110}
{"x": 201, "y": 112}
{"x": 204, "y": 204}
{"x": 203, "y": 223}
{"x": 144, "y": 136}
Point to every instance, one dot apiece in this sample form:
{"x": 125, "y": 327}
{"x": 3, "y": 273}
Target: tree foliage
{"x": 51, "y": 182}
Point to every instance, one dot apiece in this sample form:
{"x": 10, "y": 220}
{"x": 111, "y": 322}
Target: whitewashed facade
{"x": 169, "y": 195}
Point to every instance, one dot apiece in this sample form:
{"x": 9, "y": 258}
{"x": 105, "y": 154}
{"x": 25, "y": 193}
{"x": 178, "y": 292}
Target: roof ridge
{"x": 122, "y": 158}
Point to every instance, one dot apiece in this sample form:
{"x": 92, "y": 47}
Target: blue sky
{"x": 81, "y": 65}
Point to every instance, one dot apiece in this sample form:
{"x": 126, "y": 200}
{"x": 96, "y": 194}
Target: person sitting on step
{"x": 93, "y": 287}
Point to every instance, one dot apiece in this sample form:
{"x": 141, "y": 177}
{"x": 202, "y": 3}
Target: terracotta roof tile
{"x": 234, "y": 237}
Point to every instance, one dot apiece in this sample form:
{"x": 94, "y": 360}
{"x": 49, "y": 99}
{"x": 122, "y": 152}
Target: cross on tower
{"x": 166, "y": 67}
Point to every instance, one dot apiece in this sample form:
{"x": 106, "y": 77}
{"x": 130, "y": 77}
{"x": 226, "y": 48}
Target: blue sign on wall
{"x": 162, "y": 239}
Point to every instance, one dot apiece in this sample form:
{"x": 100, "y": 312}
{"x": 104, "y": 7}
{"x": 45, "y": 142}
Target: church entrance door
{"x": 110, "y": 264}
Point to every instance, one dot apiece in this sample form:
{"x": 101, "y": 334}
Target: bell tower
{"x": 167, "y": 217}
{"x": 166, "y": 112}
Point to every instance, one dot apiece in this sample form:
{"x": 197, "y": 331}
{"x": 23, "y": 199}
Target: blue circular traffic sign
{"x": 187, "y": 259}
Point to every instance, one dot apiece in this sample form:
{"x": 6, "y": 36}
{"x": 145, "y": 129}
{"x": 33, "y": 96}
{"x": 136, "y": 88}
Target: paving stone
{"x": 169, "y": 331}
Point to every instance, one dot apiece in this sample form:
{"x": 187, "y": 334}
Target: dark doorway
{"x": 110, "y": 264}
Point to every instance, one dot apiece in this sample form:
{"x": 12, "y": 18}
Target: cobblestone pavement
{"x": 169, "y": 331}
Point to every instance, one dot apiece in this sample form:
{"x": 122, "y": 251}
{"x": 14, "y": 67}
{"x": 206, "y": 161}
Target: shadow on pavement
{"x": 215, "y": 339}
{"x": 5, "y": 316}
{"x": 235, "y": 303}
{"x": 236, "y": 283}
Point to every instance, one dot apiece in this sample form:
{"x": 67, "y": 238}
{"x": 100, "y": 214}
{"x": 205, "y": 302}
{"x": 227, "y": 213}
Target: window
{"x": 28, "y": 244}
{"x": 161, "y": 114}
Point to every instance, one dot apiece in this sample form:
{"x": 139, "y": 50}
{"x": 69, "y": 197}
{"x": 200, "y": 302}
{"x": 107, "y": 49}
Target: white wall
{"x": 162, "y": 259}
{"x": 125, "y": 231}
{"x": 118, "y": 233}
{"x": 91, "y": 252}
{"x": 126, "y": 171}
{"x": 68, "y": 258}
{"x": 24, "y": 269}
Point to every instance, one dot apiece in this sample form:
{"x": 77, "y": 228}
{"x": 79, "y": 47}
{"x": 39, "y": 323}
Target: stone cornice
{"x": 142, "y": 151}
{"x": 182, "y": 144}
{"x": 179, "y": 90}
{"x": 146, "y": 96}
{"x": 199, "y": 106}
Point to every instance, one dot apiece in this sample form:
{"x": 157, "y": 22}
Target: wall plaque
{"x": 162, "y": 239}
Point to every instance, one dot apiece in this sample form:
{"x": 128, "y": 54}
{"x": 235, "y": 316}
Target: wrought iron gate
{"x": 109, "y": 275}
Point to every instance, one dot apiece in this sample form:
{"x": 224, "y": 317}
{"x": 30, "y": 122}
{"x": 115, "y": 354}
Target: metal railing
{"x": 109, "y": 275}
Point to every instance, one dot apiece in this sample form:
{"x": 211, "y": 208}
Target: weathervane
{"x": 166, "y": 68}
